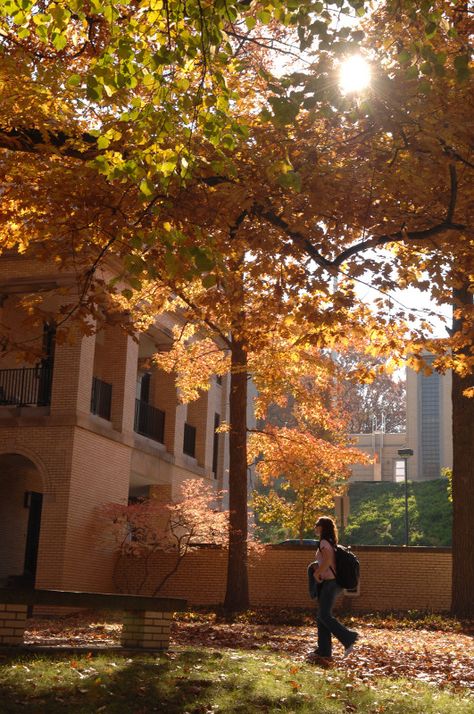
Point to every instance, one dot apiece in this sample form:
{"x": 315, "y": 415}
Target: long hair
{"x": 328, "y": 529}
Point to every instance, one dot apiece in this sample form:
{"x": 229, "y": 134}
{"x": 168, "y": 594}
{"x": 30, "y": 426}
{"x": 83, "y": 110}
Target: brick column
{"x": 201, "y": 415}
{"x": 164, "y": 397}
{"x": 72, "y": 376}
{"x": 146, "y": 630}
{"x": 12, "y": 624}
{"x": 120, "y": 371}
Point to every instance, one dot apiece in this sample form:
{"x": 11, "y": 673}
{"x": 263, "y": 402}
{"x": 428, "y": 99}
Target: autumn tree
{"x": 100, "y": 104}
{"x": 315, "y": 185}
{"x": 377, "y": 188}
{"x": 302, "y": 453}
{"x": 370, "y": 403}
{"x": 122, "y": 108}
{"x": 242, "y": 325}
{"x": 146, "y": 527}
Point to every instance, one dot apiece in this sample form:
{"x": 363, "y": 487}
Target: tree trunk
{"x": 237, "y": 593}
{"x": 463, "y": 481}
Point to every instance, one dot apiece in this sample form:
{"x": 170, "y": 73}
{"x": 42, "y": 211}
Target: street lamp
{"x": 405, "y": 454}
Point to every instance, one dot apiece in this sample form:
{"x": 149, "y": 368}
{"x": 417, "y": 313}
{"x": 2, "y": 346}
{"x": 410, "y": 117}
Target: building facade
{"x": 428, "y": 434}
{"x": 90, "y": 421}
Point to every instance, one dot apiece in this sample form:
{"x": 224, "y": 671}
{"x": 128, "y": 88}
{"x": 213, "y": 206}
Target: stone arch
{"x": 35, "y": 459}
{"x": 21, "y": 494}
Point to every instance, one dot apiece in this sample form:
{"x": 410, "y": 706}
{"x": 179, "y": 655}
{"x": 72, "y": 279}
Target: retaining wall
{"x": 392, "y": 578}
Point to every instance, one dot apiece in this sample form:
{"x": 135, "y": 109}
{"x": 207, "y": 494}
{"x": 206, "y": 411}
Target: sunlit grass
{"x": 205, "y": 680}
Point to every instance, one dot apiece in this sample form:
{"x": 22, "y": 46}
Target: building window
{"x": 219, "y": 379}
{"x": 189, "y": 441}
{"x": 399, "y": 470}
{"x": 430, "y": 425}
{"x": 101, "y": 398}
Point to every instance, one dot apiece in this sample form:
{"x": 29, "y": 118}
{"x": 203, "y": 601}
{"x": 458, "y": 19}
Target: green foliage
{"x": 377, "y": 513}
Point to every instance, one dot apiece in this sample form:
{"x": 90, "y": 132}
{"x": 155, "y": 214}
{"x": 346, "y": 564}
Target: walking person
{"x": 324, "y": 573}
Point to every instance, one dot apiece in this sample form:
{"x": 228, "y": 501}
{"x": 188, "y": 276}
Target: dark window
{"x": 101, "y": 398}
{"x": 34, "y": 502}
{"x": 189, "y": 441}
{"x": 137, "y": 494}
{"x": 49, "y": 343}
{"x": 149, "y": 421}
{"x": 215, "y": 446}
{"x": 219, "y": 379}
{"x": 145, "y": 387}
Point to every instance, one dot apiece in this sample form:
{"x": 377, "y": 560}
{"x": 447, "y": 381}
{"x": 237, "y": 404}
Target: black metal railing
{"x": 149, "y": 421}
{"x": 26, "y": 386}
{"x": 101, "y": 398}
{"x": 189, "y": 441}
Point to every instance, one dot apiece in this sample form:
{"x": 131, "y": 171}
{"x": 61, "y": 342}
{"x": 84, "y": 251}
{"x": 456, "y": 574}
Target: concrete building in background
{"x": 428, "y": 433}
{"x": 90, "y": 421}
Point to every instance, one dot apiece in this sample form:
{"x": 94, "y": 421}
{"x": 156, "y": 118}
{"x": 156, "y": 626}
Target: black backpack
{"x": 347, "y": 568}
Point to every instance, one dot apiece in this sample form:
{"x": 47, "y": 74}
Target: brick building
{"x": 88, "y": 422}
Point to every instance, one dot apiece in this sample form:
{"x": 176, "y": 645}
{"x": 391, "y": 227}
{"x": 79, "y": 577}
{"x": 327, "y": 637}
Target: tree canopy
{"x": 162, "y": 135}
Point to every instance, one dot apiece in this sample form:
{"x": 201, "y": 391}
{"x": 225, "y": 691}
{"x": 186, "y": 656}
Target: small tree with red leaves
{"x": 141, "y": 529}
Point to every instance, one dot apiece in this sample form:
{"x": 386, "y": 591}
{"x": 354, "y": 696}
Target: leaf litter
{"x": 441, "y": 658}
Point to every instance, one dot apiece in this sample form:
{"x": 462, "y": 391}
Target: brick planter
{"x": 146, "y": 630}
{"x": 12, "y": 624}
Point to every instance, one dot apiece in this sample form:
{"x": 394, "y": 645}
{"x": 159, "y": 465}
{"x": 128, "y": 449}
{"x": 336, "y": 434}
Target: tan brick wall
{"x": 163, "y": 396}
{"x": 49, "y": 449}
{"x": 392, "y": 578}
{"x": 12, "y": 624}
{"x": 199, "y": 416}
{"x": 76, "y": 471}
{"x": 120, "y": 370}
{"x": 72, "y": 376}
{"x": 100, "y": 474}
{"x": 78, "y": 460}
{"x": 148, "y": 630}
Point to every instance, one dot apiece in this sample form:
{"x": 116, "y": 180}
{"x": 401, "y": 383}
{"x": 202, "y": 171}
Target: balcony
{"x": 149, "y": 421}
{"x": 26, "y": 386}
{"x": 101, "y": 398}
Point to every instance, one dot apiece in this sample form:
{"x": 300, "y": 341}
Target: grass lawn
{"x": 205, "y": 680}
{"x": 413, "y": 663}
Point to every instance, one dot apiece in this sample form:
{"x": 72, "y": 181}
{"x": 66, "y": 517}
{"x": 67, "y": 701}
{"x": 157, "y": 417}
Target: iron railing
{"x": 149, "y": 421}
{"x": 189, "y": 441}
{"x": 26, "y": 386}
{"x": 101, "y": 398}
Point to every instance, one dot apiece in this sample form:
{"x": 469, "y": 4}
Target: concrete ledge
{"x": 97, "y": 601}
{"x": 147, "y": 620}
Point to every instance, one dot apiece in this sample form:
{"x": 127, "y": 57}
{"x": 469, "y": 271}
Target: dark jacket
{"x": 312, "y": 584}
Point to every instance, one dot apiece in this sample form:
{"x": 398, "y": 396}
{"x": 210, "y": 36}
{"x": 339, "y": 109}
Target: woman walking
{"x": 324, "y": 572}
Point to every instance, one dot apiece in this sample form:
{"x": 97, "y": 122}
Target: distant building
{"x": 429, "y": 424}
{"x": 428, "y": 434}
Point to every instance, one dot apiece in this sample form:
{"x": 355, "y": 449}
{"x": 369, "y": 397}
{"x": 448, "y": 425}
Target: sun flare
{"x": 354, "y": 74}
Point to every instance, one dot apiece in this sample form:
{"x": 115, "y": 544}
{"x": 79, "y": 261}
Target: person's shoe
{"x": 350, "y": 647}
{"x": 315, "y": 658}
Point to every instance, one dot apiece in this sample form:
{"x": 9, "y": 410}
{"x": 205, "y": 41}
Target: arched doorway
{"x": 21, "y": 498}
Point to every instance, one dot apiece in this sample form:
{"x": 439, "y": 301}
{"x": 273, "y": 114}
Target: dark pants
{"x": 328, "y": 591}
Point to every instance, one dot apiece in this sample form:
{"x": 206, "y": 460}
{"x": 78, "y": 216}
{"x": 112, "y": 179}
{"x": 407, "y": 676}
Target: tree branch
{"x": 280, "y": 222}
{"x": 405, "y": 235}
{"x": 35, "y": 141}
